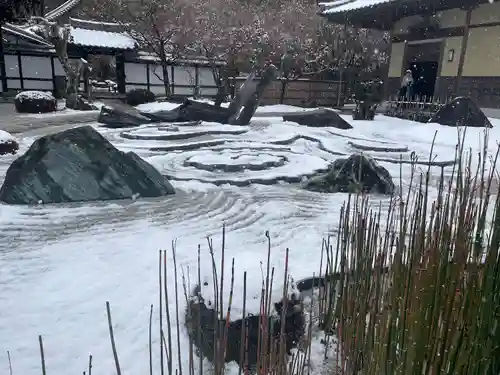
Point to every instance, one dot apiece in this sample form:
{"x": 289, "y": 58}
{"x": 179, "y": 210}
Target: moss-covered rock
{"x": 356, "y": 174}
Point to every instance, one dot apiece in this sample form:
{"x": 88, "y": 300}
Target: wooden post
{"x": 386, "y": 81}
{"x": 463, "y": 50}
{"x": 120, "y": 73}
{"x": 20, "y": 68}
{"x": 3, "y": 70}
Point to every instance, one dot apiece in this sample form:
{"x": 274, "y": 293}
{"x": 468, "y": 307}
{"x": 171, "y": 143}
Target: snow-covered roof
{"x": 24, "y": 33}
{"x": 195, "y": 60}
{"x": 99, "y": 38}
{"x": 341, "y": 6}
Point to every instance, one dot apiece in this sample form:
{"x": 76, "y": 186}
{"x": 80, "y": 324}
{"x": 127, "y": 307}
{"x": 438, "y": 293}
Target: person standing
{"x": 406, "y": 85}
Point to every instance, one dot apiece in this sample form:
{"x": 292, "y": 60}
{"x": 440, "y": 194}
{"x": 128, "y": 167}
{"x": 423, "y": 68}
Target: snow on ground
{"x": 264, "y": 109}
{"x": 60, "y": 263}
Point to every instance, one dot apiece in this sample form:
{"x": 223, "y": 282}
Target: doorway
{"x": 423, "y": 60}
{"x": 424, "y": 78}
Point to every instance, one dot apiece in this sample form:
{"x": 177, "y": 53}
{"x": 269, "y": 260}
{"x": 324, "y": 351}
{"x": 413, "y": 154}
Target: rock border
{"x": 230, "y": 168}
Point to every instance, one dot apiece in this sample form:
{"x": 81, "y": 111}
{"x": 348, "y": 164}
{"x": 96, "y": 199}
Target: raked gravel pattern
{"x": 60, "y": 263}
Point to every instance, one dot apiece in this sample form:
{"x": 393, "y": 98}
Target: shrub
{"x": 139, "y": 96}
{"x": 8, "y": 144}
{"x": 35, "y": 102}
{"x": 368, "y": 95}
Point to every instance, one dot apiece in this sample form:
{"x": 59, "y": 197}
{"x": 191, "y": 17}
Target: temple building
{"x": 452, "y": 47}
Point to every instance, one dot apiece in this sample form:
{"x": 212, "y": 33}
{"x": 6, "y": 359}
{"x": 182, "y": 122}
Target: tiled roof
{"x": 61, "y": 9}
{"x": 24, "y": 33}
{"x": 341, "y": 6}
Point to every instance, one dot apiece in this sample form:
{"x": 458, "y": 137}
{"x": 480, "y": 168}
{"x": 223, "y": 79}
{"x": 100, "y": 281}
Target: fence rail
{"x": 418, "y": 109}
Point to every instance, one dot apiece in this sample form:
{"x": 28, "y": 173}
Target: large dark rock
{"x": 356, "y": 174}
{"x": 192, "y": 110}
{"x": 461, "y": 111}
{"x": 79, "y": 165}
{"x": 120, "y": 117}
{"x": 318, "y": 118}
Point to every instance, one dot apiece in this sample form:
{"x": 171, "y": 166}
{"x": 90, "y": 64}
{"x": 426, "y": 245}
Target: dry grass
{"x": 422, "y": 296}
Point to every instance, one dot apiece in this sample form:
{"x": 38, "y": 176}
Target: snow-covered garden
{"x": 61, "y": 262}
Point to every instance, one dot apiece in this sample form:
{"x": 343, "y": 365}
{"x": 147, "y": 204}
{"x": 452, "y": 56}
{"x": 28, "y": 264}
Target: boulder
{"x": 356, "y": 174}
{"x": 139, "y": 96}
{"x": 35, "y": 102}
{"x": 120, "y": 117}
{"x": 461, "y": 111}
{"x": 79, "y": 165}
{"x": 8, "y": 144}
{"x": 192, "y": 110}
{"x": 318, "y": 118}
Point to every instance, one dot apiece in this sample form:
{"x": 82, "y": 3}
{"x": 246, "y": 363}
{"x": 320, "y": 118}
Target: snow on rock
{"x": 261, "y": 110}
{"x": 8, "y": 144}
{"x": 6, "y": 137}
{"x": 157, "y": 106}
{"x": 24, "y": 95}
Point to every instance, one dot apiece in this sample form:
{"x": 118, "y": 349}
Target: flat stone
{"x": 78, "y": 165}
{"x": 318, "y": 118}
{"x": 119, "y": 117}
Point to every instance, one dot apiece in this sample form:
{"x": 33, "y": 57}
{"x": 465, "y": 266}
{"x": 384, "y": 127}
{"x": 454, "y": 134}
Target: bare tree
{"x": 221, "y": 33}
{"x": 60, "y": 36}
{"x": 158, "y": 27}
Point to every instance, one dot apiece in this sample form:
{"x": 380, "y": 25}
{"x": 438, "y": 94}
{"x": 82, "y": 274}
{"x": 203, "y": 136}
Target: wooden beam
{"x": 463, "y": 50}
{"x": 3, "y": 70}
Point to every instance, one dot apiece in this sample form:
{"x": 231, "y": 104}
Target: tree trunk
{"x": 284, "y": 83}
{"x": 252, "y": 101}
{"x": 72, "y": 83}
{"x": 164, "y": 68}
{"x": 166, "y": 79}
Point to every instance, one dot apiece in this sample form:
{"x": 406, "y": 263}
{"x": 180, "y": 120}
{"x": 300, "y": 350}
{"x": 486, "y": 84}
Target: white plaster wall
{"x": 58, "y": 69}
{"x": 206, "y": 76}
{"x": 155, "y": 71}
{"x": 14, "y": 83}
{"x": 36, "y": 67}
{"x": 208, "y": 91}
{"x": 11, "y": 66}
{"x": 135, "y": 73}
{"x": 38, "y": 85}
{"x": 184, "y": 75}
{"x": 132, "y": 87}
{"x": 183, "y": 90}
